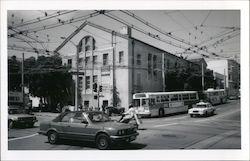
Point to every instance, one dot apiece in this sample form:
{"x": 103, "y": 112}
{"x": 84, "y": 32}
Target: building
{"x": 120, "y": 68}
{"x": 231, "y": 70}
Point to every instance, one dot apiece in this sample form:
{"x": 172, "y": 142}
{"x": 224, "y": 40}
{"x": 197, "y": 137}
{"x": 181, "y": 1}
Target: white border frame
{"x": 242, "y": 154}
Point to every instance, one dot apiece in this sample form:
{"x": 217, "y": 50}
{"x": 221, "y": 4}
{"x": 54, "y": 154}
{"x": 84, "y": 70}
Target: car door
{"x": 77, "y": 127}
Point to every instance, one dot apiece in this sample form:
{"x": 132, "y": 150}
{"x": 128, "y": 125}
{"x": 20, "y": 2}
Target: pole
{"x": 113, "y": 64}
{"x": 163, "y": 72}
{"x": 225, "y": 79}
{"x": 202, "y": 76}
{"x": 23, "y": 81}
{"x": 98, "y": 97}
{"x": 77, "y": 79}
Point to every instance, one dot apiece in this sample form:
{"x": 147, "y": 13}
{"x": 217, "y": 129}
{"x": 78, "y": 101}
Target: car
{"x": 94, "y": 126}
{"x": 17, "y": 117}
{"x": 114, "y": 110}
{"x": 202, "y": 109}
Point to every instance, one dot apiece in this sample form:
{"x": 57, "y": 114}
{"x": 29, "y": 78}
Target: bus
{"x": 215, "y": 96}
{"x": 161, "y": 103}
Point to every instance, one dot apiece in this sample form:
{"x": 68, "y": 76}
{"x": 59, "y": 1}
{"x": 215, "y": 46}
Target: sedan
{"x": 16, "y": 116}
{"x": 202, "y": 109}
{"x": 93, "y": 126}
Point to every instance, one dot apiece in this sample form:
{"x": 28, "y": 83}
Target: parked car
{"x": 17, "y": 117}
{"x": 114, "y": 110}
{"x": 202, "y": 109}
{"x": 93, "y": 126}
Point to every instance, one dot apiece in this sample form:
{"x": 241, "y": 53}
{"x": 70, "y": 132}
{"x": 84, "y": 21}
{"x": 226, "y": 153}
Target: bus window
{"x": 174, "y": 97}
{"x": 185, "y": 97}
{"x": 158, "y": 99}
{"x": 145, "y": 102}
{"x": 180, "y": 97}
{"x": 136, "y": 102}
{"x": 192, "y": 96}
{"x": 152, "y": 101}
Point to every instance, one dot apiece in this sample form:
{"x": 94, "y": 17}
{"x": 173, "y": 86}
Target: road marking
{"x": 24, "y": 137}
{"x": 206, "y": 143}
{"x": 166, "y": 125}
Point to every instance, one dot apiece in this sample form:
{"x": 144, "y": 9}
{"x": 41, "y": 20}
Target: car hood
{"x": 115, "y": 125}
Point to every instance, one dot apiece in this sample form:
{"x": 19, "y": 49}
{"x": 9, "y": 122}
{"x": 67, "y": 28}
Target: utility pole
{"x": 163, "y": 71}
{"x": 23, "y": 81}
{"x": 113, "y": 64}
{"x": 77, "y": 78}
{"x": 202, "y": 76}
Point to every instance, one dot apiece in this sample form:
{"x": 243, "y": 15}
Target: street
{"x": 220, "y": 131}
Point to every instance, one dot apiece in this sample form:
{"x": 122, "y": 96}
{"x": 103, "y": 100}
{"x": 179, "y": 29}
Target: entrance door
{"x": 105, "y": 103}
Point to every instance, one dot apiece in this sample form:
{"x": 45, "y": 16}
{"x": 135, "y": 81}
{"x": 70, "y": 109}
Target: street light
{"x": 77, "y": 74}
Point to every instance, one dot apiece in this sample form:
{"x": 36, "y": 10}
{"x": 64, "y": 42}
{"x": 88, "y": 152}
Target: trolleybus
{"x": 215, "y": 96}
{"x": 161, "y": 103}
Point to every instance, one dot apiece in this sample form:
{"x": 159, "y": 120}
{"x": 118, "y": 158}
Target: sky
{"x": 217, "y": 31}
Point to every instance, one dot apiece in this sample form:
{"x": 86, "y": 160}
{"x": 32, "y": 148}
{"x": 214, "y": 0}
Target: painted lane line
{"x": 24, "y": 137}
{"x": 166, "y": 125}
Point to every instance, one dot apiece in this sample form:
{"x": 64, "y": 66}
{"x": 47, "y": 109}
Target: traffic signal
{"x": 95, "y": 87}
{"x": 100, "y": 88}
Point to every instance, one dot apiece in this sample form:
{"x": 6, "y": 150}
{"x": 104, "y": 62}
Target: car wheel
{"x": 206, "y": 114}
{"x": 161, "y": 112}
{"x": 52, "y": 137}
{"x": 191, "y": 115}
{"x": 102, "y": 141}
{"x": 10, "y": 124}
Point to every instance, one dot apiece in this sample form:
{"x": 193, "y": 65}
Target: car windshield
{"x": 15, "y": 111}
{"x": 98, "y": 117}
{"x": 202, "y": 106}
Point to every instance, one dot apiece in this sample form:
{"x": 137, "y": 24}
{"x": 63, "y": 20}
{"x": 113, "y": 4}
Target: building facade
{"x": 231, "y": 70}
{"x": 120, "y": 68}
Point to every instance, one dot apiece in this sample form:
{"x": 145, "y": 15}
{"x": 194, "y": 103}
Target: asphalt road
{"x": 220, "y": 131}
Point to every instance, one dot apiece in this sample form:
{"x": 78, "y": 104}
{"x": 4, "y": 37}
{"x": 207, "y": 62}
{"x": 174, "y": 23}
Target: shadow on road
{"x": 86, "y": 144}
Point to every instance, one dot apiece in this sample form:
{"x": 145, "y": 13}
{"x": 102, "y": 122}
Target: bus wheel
{"x": 161, "y": 112}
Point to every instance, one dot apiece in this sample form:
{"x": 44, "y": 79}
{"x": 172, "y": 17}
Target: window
{"x": 87, "y": 60}
{"x": 138, "y": 59}
{"x": 95, "y": 79}
{"x": 174, "y": 97}
{"x": 87, "y": 86}
{"x": 121, "y": 57}
{"x": 87, "y": 48}
{"x": 192, "y": 96}
{"x": 154, "y": 65}
{"x": 149, "y": 63}
{"x": 185, "y": 96}
{"x": 70, "y": 62}
{"x": 105, "y": 59}
{"x": 80, "y": 83}
{"x": 95, "y": 59}
{"x": 67, "y": 117}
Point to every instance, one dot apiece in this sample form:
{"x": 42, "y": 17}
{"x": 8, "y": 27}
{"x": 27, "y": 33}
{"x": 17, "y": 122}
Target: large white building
{"x": 125, "y": 65}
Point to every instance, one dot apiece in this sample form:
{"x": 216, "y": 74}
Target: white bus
{"x": 215, "y": 96}
{"x": 161, "y": 103}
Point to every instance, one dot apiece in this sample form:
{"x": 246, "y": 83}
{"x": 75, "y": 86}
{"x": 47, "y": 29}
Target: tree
{"x": 51, "y": 81}
{"x": 14, "y": 74}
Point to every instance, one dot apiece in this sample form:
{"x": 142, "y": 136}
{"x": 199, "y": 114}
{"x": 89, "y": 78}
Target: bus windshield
{"x": 136, "y": 102}
{"x": 145, "y": 102}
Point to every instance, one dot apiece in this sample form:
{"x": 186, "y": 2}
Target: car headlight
{"x": 120, "y": 132}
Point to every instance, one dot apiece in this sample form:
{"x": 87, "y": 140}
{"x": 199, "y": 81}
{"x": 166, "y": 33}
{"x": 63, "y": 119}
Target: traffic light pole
{"x": 77, "y": 79}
